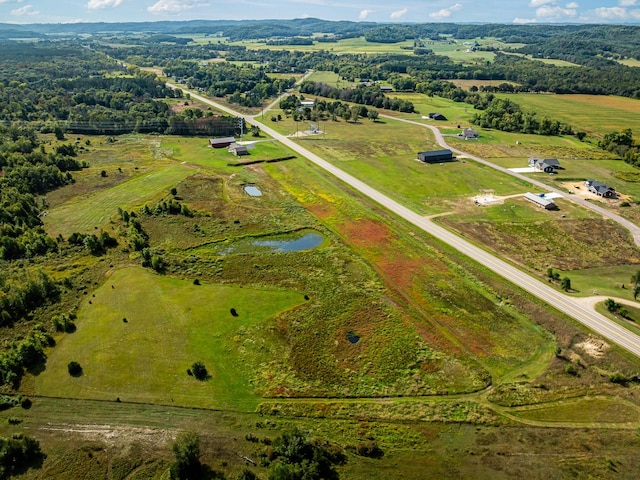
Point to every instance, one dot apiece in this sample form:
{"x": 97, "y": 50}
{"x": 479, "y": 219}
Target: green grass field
{"x": 171, "y": 323}
{"x": 85, "y": 214}
{"x": 384, "y": 154}
{"x": 595, "y": 114}
{"x": 587, "y": 410}
{"x": 350, "y": 45}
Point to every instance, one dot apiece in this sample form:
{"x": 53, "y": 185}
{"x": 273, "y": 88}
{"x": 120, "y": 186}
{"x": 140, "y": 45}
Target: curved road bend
{"x": 596, "y": 322}
{"x": 632, "y": 227}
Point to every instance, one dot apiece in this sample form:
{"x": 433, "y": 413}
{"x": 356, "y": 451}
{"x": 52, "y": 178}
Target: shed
{"x": 307, "y": 103}
{"x": 436, "y": 156}
{"x": 541, "y": 201}
{"x": 386, "y": 88}
{"x": 221, "y": 142}
{"x": 238, "y": 149}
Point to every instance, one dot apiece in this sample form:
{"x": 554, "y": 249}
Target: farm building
{"x": 547, "y": 165}
{"x": 221, "y": 142}
{"x": 437, "y": 116}
{"x": 238, "y": 149}
{"x": 436, "y": 156}
{"x": 386, "y": 88}
{"x": 307, "y": 103}
{"x": 600, "y": 189}
{"x": 469, "y": 134}
{"x": 541, "y": 201}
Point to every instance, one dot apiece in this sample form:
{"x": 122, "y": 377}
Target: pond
{"x": 294, "y": 242}
{"x": 253, "y": 191}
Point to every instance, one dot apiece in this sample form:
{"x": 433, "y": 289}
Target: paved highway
{"x": 593, "y": 320}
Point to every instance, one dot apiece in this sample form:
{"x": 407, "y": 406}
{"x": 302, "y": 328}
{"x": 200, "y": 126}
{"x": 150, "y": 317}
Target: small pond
{"x": 253, "y": 191}
{"x": 353, "y": 337}
{"x": 294, "y": 242}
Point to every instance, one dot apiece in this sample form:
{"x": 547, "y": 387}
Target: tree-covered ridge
{"x": 80, "y": 90}
{"x": 247, "y": 85}
{"x": 27, "y": 170}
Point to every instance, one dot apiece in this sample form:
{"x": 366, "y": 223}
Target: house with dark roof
{"x": 601, "y": 189}
{"x": 221, "y": 142}
{"x": 436, "y": 156}
{"x": 547, "y": 165}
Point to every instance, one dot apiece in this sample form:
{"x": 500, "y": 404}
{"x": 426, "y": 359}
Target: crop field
{"x": 595, "y": 114}
{"x": 350, "y": 45}
{"x": 330, "y": 78}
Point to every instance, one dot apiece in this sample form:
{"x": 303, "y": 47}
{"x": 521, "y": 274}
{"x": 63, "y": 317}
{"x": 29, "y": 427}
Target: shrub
{"x": 199, "y": 371}
{"x": 74, "y": 368}
{"x": 571, "y": 370}
{"x": 369, "y": 449}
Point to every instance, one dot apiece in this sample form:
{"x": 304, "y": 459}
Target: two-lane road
{"x": 596, "y": 322}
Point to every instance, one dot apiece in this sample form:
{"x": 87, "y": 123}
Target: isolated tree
{"x": 255, "y": 131}
{"x": 611, "y": 305}
{"x": 566, "y": 284}
{"x": 199, "y": 370}
{"x": 74, "y": 368}
{"x": 373, "y": 115}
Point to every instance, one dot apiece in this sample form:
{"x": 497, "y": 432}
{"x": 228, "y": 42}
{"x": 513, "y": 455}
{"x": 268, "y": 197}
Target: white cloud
{"x": 524, "y": 21}
{"x": 24, "y": 11}
{"x": 554, "y": 11}
{"x": 627, "y": 3}
{"x": 11, "y": 1}
{"x": 446, "y": 12}
{"x": 364, "y": 14}
{"x": 174, "y": 6}
{"x": 617, "y": 13}
{"x": 96, "y": 4}
{"x": 572, "y": 5}
{"x": 610, "y": 13}
{"x": 539, "y": 3}
{"x": 398, "y": 14}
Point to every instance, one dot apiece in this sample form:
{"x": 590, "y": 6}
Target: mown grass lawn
{"x": 93, "y": 211}
{"x": 170, "y": 323}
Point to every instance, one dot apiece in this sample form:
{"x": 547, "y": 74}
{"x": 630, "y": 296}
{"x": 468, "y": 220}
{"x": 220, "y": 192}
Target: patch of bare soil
{"x": 594, "y": 347}
{"x": 114, "y": 435}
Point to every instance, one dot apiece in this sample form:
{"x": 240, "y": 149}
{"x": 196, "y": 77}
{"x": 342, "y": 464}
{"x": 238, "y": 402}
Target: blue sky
{"x": 499, "y": 11}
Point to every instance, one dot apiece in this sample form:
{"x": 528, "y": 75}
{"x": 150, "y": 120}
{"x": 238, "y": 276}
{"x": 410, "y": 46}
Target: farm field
{"x": 595, "y": 114}
{"x": 350, "y": 45}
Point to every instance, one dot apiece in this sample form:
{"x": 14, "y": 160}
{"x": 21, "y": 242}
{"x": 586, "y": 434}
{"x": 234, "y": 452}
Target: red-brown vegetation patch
{"x": 321, "y": 210}
{"x": 367, "y": 233}
{"x": 400, "y": 271}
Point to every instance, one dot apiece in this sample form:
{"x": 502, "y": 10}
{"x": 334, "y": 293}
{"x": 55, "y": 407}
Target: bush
{"x": 199, "y": 371}
{"x": 571, "y": 370}
{"x": 369, "y": 449}
{"x": 74, "y": 368}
